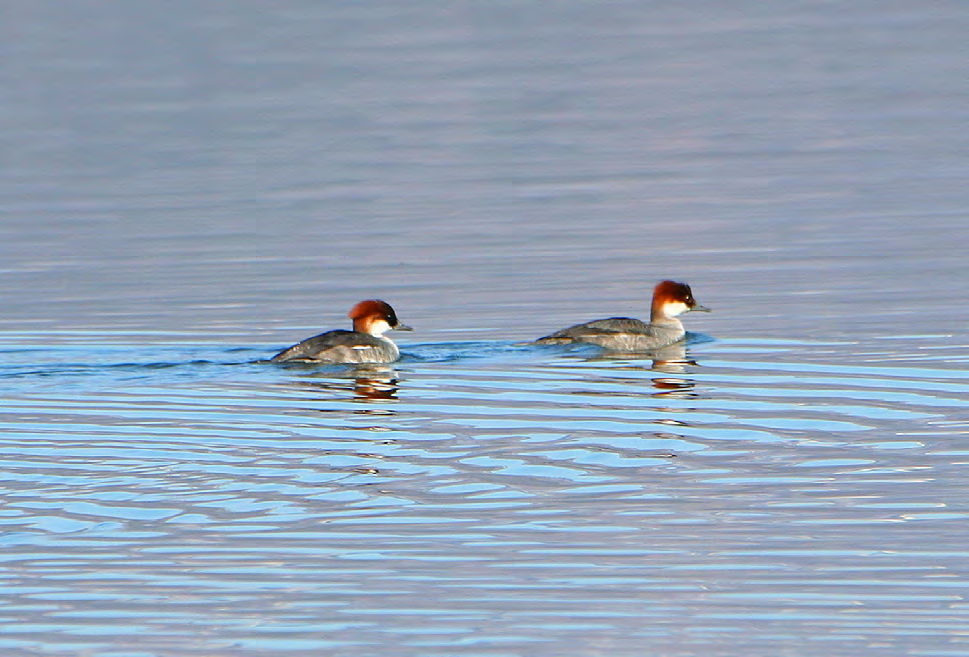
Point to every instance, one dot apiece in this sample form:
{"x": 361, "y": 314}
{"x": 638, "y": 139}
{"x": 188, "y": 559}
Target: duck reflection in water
{"x": 672, "y": 360}
{"x": 376, "y": 388}
{"x": 363, "y": 382}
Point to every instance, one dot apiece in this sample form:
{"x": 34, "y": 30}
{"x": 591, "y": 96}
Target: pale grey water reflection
{"x": 186, "y": 188}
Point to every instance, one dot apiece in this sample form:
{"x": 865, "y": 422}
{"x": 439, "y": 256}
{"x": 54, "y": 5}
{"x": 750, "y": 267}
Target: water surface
{"x": 187, "y": 189}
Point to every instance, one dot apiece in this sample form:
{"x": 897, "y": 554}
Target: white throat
{"x": 674, "y": 308}
{"x": 378, "y": 327}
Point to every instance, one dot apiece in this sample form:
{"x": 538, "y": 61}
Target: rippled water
{"x": 480, "y": 498}
{"x": 187, "y": 188}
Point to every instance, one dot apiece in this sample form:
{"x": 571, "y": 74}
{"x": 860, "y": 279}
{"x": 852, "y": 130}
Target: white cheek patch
{"x": 379, "y": 327}
{"x": 676, "y": 308}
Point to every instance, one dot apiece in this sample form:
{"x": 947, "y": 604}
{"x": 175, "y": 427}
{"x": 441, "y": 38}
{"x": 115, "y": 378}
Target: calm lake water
{"x": 186, "y": 188}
